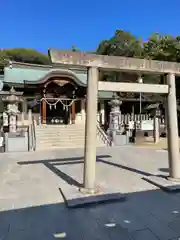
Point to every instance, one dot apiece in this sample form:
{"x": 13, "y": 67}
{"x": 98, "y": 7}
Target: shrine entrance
{"x": 58, "y": 100}
{"x": 58, "y": 110}
{"x": 59, "y": 93}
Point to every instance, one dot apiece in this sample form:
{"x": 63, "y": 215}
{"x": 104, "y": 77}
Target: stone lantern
{"x": 115, "y": 117}
{"x": 10, "y": 114}
{"x": 156, "y": 114}
{"x": 115, "y": 114}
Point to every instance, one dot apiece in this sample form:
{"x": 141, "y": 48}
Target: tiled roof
{"x": 19, "y": 75}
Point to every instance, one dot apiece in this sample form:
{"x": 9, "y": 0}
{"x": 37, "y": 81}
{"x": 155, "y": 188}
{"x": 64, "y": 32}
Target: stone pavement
{"x": 31, "y": 206}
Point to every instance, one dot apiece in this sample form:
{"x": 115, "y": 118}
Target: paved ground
{"x": 31, "y": 206}
{"x": 149, "y": 142}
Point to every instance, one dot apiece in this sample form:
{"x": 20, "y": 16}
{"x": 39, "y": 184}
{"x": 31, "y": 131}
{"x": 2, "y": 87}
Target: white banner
{"x": 147, "y": 125}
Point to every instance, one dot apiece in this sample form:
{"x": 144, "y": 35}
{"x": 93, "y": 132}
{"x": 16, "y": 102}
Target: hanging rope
{"x": 59, "y": 100}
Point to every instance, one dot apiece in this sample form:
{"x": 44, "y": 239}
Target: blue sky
{"x": 41, "y": 24}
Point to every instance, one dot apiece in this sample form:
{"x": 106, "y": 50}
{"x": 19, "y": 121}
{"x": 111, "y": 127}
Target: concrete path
{"x": 31, "y": 206}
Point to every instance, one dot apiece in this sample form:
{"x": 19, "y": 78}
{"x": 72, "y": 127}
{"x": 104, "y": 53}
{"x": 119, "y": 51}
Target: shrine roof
{"x": 20, "y": 72}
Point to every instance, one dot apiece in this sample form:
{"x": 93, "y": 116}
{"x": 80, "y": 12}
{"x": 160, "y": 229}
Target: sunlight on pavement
{"x": 60, "y": 235}
{"x": 127, "y": 221}
{"x": 175, "y": 212}
{"x": 110, "y": 225}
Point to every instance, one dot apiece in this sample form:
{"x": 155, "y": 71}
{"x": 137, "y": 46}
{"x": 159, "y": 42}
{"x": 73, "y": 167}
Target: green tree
{"x": 125, "y": 44}
{"x": 3, "y": 59}
{"x": 163, "y": 48}
{"x": 121, "y": 44}
{"x": 27, "y": 56}
{"x": 75, "y": 49}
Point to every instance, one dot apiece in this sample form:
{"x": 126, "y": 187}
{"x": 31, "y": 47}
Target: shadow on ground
{"x": 145, "y": 215}
{"x": 54, "y": 163}
{"x": 165, "y": 170}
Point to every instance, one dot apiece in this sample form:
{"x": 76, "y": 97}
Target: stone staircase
{"x": 62, "y": 136}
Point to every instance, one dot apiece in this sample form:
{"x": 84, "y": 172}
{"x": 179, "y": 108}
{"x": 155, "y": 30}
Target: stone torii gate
{"x": 94, "y": 63}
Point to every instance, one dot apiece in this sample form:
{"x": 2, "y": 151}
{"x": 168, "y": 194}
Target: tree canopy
{"x": 121, "y": 44}
{"x": 23, "y": 55}
{"x": 164, "y": 48}
{"x": 75, "y": 49}
{"x": 3, "y": 59}
{"x": 157, "y": 47}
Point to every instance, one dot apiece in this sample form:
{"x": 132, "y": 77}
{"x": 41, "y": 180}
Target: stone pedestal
{"x": 114, "y": 119}
{"x": 156, "y": 131}
{"x": 12, "y": 123}
{"x": 5, "y": 119}
{"x": 12, "y": 111}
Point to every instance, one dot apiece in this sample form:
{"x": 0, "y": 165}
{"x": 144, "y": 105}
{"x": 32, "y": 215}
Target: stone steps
{"x": 58, "y": 133}
{"x": 61, "y": 136}
{"x": 62, "y": 141}
{"x": 51, "y": 146}
{"x": 40, "y": 148}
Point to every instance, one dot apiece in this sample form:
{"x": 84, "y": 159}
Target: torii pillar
{"x": 172, "y": 129}
{"x": 170, "y": 183}
{"x": 90, "y": 131}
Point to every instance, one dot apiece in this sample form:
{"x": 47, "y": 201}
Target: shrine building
{"x": 55, "y": 94}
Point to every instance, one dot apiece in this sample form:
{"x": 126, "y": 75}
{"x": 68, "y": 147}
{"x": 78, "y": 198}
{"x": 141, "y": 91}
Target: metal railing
{"x": 29, "y": 138}
{"x": 101, "y": 133}
{"x": 31, "y": 134}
